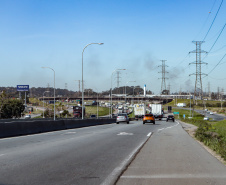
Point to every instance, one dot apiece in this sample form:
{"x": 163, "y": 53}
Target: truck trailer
{"x": 139, "y": 111}
{"x": 156, "y": 110}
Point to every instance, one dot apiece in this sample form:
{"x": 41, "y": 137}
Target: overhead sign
{"x": 22, "y": 87}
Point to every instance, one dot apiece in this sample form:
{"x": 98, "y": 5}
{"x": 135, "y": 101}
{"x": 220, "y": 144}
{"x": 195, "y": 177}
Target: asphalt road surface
{"x": 173, "y": 157}
{"x": 92, "y": 155}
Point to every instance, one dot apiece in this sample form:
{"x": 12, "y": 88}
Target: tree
{"x": 12, "y": 108}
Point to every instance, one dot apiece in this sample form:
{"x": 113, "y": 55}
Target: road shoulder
{"x": 191, "y": 129}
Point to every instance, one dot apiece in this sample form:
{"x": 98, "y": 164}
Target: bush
{"x": 207, "y": 134}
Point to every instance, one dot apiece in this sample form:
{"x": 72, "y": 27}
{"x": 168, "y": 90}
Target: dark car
{"x": 77, "y": 114}
{"x": 93, "y": 116}
{"x": 170, "y": 117}
{"x": 158, "y": 116}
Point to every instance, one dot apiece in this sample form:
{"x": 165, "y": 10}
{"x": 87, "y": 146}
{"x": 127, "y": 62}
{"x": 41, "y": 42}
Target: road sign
{"x": 22, "y": 87}
{"x": 175, "y": 112}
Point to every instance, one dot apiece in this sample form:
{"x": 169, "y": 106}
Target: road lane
{"x": 78, "y": 156}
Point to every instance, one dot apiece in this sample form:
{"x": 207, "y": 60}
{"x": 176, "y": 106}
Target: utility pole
{"x": 163, "y": 66}
{"x": 198, "y": 73}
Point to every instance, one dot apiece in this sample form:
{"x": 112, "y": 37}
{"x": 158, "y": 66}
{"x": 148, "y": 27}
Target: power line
{"x": 215, "y": 40}
{"x": 213, "y": 20}
{"x": 217, "y": 64}
{"x": 206, "y": 20}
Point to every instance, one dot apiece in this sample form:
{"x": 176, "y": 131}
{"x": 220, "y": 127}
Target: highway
{"x": 92, "y": 155}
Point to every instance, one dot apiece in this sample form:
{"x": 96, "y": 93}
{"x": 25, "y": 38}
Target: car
{"x": 148, "y": 118}
{"x": 93, "y": 116}
{"x": 158, "y": 116}
{"x": 27, "y": 116}
{"x": 211, "y": 113}
{"x": 77, "y": 114}
{"x": 170, "y": 117}
{"x": 122, "y": 118}
{"x": 206, "y": 118}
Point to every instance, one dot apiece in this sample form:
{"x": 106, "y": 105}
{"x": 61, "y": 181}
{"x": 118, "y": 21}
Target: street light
{"x": 54, "y": 91}
{"x": 43, "y": 102}
{"x": 125, "y": 88}
{"x": 82, "y": 77}
{"x": 111, "y": 86}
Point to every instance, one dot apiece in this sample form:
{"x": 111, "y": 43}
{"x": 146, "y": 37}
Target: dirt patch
{"x": 191, "y": 129}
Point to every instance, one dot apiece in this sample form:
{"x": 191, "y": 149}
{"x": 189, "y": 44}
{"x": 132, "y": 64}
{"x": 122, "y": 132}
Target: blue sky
{"x": 137, "y": 35}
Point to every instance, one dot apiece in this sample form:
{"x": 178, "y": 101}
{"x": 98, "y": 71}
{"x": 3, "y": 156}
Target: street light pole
{"x": 53, "y": 93}
{"x": 111, "y": 86}
{"x": 82, "y": 78}
{"x": 43, "y": 102}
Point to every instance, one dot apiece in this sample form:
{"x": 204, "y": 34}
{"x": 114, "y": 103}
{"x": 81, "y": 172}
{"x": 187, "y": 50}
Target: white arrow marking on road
{"x": 124, "y": 134}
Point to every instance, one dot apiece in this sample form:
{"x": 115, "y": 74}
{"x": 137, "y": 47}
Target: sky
{"x": 137, "y": 36}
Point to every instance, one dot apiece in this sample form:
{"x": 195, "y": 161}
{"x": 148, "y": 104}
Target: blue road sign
{"x": 22, "y": 87}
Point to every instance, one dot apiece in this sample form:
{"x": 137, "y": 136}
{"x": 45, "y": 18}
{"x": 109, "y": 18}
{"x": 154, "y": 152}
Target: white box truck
{"x": 139, "y": 111}
{"x": 156, "y": 110}
{"x": 181, "y": 104}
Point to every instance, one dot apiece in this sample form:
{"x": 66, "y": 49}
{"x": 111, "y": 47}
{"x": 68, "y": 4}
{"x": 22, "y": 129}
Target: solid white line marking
{"x": 168, "y": 127}
{"x": 149, "y": 134}
{"x": 124, "y": 134}
{"x": 116, "y": 172}
{"x": 171, "y": 176}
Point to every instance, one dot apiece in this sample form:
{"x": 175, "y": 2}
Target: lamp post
{"x": 82, "y": 77}
{"x": 53, "y": 93}
{"x": 125, "y": 88}
{"x": 43, "y": 102}
{"x": 111, "y": 86}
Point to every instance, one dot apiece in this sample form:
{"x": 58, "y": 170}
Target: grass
{"x": 102, "y": 111}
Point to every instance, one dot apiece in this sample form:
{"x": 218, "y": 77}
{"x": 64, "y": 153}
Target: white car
{"x": 211, "y": 113}
{"x": 27, "y": 117}
{"x": 206, "y": 118}
{"x": 122, "y": 118}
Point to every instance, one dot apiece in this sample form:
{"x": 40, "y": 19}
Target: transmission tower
{"x": 168, "y": 88}
{"x": 163, "y": 86}
{"x": 209, "y": 89}
{"x": 198, "y": 63}
{"x": 78, "y": 87}
{"x": 118, "y": 78}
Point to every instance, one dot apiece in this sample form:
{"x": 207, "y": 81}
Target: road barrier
{"x": 19, "y": 128}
